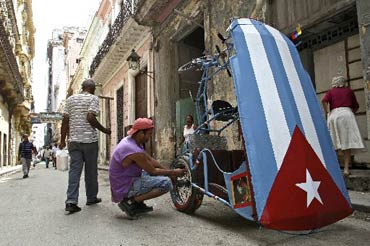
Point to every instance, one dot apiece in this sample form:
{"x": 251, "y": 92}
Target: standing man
{"x": 134, "y": 175}
{"x": 25, "y": 155}
{"x": 79, "y": 121}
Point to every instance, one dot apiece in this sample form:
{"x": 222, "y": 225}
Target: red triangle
{"x": 286, "y": 206}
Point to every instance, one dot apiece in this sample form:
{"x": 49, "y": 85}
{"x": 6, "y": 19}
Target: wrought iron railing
{"x": 10, "y": 58}
{"x": 128, "y": 9}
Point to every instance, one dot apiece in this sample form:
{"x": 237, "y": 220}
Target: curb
{"x": 12, "y": 170}
{"x": 103, "y": 168}
{"x": 361, "y": 208}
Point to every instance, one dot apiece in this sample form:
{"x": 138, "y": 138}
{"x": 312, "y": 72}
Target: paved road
{"x": 32, "y": 213}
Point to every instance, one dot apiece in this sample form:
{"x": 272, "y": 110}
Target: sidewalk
{"x": 360, "y": 200}
{"x": 10, "y": 170}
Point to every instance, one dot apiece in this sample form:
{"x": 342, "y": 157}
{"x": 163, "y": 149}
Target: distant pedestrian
{"x": 342, "y": 123}
{"x": 47, "y": 156}
{"x": 54, "y": 151}
{"x": 34, "y": 156}
{"x": 25, "y": 155}
{"x": 80, "y": 122}
{"x": 134, "y": 175}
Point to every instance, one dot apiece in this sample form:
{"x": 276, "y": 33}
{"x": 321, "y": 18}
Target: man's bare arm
{"x": 155, "y": 163}
{"x": 144, "y": 161}
{"x": 64, "y": 131}
{"x": 325, "y": 107}
{"x": 95, "y": 123}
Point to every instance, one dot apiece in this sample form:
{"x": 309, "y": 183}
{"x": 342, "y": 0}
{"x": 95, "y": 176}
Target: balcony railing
{"x": 128, "y": 9}
{"x": 10, "y": 58}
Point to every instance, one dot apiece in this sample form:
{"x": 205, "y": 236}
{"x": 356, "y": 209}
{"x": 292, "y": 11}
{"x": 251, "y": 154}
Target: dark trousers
{"x": 82, "y": 153}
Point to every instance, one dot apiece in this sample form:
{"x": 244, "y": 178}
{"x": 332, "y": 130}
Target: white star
{"x": 311, "y": 187}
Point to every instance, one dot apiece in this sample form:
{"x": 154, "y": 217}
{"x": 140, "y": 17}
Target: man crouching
{"x": 135, "y": 176}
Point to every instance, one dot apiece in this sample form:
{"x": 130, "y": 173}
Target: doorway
{"x": 190, "y": 47}
{"x": 141, "y": 95}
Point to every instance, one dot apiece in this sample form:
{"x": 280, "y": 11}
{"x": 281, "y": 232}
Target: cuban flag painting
{"x": 296, "y": 179}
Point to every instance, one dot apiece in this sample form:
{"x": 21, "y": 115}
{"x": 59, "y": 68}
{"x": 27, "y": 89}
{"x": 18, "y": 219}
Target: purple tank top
{"x": 120, "y": 177}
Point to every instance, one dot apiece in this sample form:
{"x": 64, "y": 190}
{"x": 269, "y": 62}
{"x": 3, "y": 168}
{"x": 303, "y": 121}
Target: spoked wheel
{"x": 184, "y": 196}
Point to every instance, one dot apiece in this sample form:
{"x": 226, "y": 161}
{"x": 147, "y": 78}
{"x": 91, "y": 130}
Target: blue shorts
{"x": 146, "y": 183}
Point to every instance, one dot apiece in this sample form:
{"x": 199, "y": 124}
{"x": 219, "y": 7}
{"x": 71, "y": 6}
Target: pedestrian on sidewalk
{"x": 25, "y": 155}
{"x": 47, "y": 155}
{"x": 341, "y": 120}
{"x": 34, "y": 156}
{"x": 79, "y": 121}
{"x": 54, "y": 151}
{"x": 134, "y": 175}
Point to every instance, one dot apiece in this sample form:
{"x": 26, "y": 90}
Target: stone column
{"x": 363, "y": 15}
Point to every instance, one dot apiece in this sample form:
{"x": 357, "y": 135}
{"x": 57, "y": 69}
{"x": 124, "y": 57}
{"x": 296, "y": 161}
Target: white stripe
{"x": 273, "y": 109}
{"x": 297, "y": 90}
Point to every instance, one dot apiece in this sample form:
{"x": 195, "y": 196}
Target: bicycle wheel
{"x": 184, "y": 196}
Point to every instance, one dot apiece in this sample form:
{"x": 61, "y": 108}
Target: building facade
{"x": 96, "y": 33}
{"x": 16, "y": 54}
{"x": 167, "y": 34}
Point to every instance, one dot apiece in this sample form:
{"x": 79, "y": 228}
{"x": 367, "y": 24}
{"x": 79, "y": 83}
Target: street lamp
{"x": 133, "y": 60}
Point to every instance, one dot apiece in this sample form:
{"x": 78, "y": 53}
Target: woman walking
{"x": 341, "y": 120}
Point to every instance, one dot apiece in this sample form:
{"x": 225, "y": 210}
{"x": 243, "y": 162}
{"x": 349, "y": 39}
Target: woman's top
{"x": 188, "y": 131}
{"x": 341, "y": 97}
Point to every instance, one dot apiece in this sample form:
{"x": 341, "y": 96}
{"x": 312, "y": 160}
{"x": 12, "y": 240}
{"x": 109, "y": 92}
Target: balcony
{"x": 11, "y": 82}
{"x": 115, "y": 34}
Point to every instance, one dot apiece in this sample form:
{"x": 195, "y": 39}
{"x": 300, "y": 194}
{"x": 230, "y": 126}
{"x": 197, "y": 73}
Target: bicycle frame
{"x": 202, "y": 109}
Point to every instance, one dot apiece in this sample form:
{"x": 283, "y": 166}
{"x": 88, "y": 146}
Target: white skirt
{"x": 344, "y": 130}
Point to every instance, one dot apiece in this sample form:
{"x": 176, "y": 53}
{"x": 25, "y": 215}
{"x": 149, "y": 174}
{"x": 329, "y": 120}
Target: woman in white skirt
{"x": 342, "y": 124}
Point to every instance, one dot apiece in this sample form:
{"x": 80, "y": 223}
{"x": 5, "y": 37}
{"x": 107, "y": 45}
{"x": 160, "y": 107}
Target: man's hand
{"x": 107, "y": 131}
{"x": 62, "y": 144}
{"x": 179, "y": 172}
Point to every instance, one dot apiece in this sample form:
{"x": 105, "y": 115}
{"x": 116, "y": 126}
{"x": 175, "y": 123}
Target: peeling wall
{"x": 215, "y": 16}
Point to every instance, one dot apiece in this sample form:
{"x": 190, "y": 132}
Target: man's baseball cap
{"x": 140, "y": 124}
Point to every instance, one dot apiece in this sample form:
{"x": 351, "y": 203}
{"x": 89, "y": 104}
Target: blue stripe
{"x": 281, "y": 79}
{"x": 325, "y": 141}
{"x": 253, "y": 122}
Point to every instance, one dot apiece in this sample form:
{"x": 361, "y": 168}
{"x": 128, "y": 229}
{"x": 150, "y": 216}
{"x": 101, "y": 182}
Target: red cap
{"x": 140, "y": 124}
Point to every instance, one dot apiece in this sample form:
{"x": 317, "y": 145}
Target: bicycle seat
{"x": 223, "y": 110}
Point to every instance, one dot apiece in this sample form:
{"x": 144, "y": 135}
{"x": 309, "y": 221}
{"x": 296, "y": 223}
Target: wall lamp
{"x": 134, "y": 63}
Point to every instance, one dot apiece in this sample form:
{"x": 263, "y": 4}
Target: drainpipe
{"x": 257, "y": 8}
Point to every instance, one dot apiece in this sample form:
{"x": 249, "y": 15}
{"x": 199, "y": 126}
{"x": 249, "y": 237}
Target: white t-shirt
{"x": 188, "y": 131}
